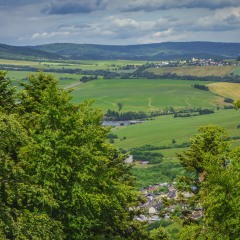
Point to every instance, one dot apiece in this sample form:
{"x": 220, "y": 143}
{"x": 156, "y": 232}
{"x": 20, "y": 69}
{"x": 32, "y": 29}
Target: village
{"x": 196, "y": 62}
{"x": 164, "y": 200}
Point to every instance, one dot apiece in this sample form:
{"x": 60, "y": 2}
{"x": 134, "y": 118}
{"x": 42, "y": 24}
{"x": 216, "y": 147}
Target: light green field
{"x": 73, "y": 79}
{"x": 163, "y": 129}
{"x": 237, "y": 70}
{"x": 83, "y": 64}
{"x": 145, "y": 94}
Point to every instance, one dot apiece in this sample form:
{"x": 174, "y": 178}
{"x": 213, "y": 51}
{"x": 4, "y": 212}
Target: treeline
{"x": 100, "y": 72}
{"x": 88, "y": 78}
{"x": 201, "y": 87}
{"x": 112, "y": 115}
{"x": 197, "y": 113}
{"x": 151, "y": 157}
{"x": 148, "y": 147}
{"x": 148, "y": 152}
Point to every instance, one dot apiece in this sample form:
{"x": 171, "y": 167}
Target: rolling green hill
{"x": 146, "y": 52}
{"x": 156, "y": 51}
{"x": 24, "y": 53}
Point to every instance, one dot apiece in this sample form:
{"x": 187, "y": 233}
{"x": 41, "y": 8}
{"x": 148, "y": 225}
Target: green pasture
{"x": 71, "y": 64}
{"x": 145, "y": 94}
{"x": 163, "y": 129}
{"x": 237, "y": 70}
{"x": 65, "y": 79}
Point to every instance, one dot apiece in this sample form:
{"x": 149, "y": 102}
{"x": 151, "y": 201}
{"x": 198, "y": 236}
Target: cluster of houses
{"x": 155, "y": 208}
{"x": 195, "y": 62}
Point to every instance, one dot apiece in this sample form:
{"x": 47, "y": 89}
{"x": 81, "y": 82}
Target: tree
{"x": 212, "y": 140}
{"x": 159, "y": 234}
{"x": 216, "y": 166}
{"x": 7, "y": 93}
{"x": 19, "y": 217}
{"x": 120, "y": 106}
{"x": 71, "y": 158}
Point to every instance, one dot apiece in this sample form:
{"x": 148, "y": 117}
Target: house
{"x": 129, "y": 159}
{"x": 152, "y": 210}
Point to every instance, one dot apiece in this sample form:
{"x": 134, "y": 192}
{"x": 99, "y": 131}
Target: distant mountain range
{"x": 146, "y": 52}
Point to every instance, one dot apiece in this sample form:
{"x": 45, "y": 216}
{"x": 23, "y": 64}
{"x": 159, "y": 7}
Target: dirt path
{"x": 73, "y": 85}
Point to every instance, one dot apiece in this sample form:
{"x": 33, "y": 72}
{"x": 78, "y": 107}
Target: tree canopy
{"x": 216, "y": 166}
{"x": 60, "y": 176}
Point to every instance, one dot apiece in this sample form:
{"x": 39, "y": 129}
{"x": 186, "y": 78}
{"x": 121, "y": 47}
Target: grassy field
{"x": 71, "y": 64}
{"x": 200, "y": 71}
{"x": 237, "y": 70}
{"x": 163, "y": 129}
{"x": 70, "y": 79}
{"x": 145, "y": 94}
{"x": 228, "y": 90}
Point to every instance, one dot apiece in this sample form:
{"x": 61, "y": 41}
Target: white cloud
{"x": 221, "y": 20}
{"x": 49, "y": 34}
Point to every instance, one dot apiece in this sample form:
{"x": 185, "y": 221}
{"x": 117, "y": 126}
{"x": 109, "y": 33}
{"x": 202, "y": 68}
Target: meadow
{"x": 145, "y": 94}
{"x": 161, "y": 130}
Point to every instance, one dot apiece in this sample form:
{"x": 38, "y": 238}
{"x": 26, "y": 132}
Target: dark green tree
{"x": 120, "y": 106}
{"x": 71, "y": 158}
{"x": 21, "y": 216}
{"x": 216, "y": 166}
{"x": 7, "y": 93}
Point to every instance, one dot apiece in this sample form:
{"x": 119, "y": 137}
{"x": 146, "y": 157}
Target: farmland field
{"x": 199, "y": 71}
{"x": 145, "y": 94}
{"x": 163, "y": 129}
{"x": 229, "y": 90}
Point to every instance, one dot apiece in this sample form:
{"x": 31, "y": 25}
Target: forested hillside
{"x": 146, "y": 52}
{"x": 156, "y": 51}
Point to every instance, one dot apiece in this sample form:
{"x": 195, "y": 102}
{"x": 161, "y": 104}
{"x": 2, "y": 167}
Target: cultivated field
{"x": 145, "y": 94}
{"x": 228, "y": 90}
{"x": 200, "y": 71}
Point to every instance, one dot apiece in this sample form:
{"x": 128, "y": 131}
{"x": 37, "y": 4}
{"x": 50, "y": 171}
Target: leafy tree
{"x": 71, "y": 158}
{"x": 159, "y": 234}
{"x": 212, "y": 140}
{"x": 120, "y": 106}
{"x": 216, "y": 167}
{"x": 7, "y": 93}
{"x": 19, "y": 219}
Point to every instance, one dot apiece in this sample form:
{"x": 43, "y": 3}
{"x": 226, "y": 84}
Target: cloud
{"x": 73, "y": 6}
{"x": 222, "y": 20}
{"x": 50, "y": 34}
{"x": 154, "y": 5}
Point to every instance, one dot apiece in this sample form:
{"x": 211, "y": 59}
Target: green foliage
{"x": 228, "y": 100}
{"x": 19, "y": 195}
{"x": 212, "y": 140}
{"x": 159, "y": 234}
{"x": 216, "y": 167}
{"x": 152, "y": 174}
{"x": 62, "y": 179}
{"x": 7, "y": 93}
{"x": 201, "y": 87}
{"x": 237, "y": 104}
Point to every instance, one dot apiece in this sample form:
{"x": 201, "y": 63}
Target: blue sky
{"x": 118, "y": 22}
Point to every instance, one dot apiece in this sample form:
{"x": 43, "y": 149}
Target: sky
{"x": 118, "y": 22}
